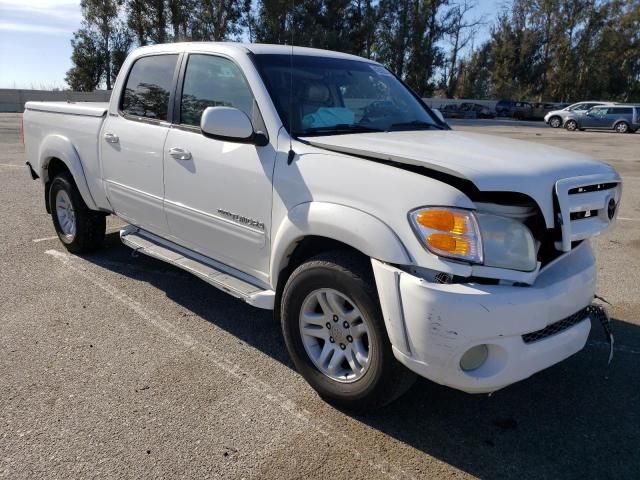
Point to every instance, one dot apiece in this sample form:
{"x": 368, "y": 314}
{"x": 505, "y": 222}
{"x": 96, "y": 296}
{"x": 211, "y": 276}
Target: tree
{"x": 474, "y": 76}
{"x": 88, "y": 69}
{"x": 344, "y": 25}
{"x": 459, "y": 33}
{"x": 100, "y": 46}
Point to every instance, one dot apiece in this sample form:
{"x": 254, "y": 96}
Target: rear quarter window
{"x": 148, "y": 88}
{"x": 621, "y": 111}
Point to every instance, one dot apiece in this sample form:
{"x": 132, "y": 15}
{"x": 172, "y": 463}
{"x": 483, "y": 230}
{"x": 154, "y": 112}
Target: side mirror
{"x": 231, "y": 125}
{"x": 439, "y": 115}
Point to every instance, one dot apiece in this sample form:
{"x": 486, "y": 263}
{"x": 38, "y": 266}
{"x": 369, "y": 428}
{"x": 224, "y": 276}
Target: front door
{"x": 218, "y": 194}
{"x": 595, "y": 118}
{"x": 133, "y": 140}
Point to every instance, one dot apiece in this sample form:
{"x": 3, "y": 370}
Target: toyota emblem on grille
{"x": 611, "y": 208}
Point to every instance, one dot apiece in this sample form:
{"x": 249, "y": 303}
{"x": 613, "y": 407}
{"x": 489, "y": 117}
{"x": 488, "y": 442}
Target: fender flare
{"x": 57, "y": 146}
{"x": 348, "y": 225}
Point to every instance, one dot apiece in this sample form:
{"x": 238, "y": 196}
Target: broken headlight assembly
{"x": 478, "y": 238}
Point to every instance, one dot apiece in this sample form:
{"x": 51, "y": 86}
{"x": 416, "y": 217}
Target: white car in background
{"x": 557, "y": 118}
{"x": 322, "y": 188}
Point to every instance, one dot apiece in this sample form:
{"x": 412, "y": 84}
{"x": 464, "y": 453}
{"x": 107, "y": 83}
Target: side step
{"x": 220, "y": 276}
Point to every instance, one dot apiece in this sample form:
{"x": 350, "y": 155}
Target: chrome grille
{"x": 557, "y": 327}
{"x": 587, "y": 206}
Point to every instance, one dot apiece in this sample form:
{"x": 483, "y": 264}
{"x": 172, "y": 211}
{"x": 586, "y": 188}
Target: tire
{"x": 555, "y": 122}
{"x": 621, "y": 127}
{"x": 571, "y": 125}
{"x": 80, "y": 230}
{"x": 340, "y": 278}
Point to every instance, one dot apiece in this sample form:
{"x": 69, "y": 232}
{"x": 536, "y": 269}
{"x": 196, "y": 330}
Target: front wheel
{"x": 571, "y": 125}
{"x": 335, "y": 334}
{"x": 80, "y": 229}
{"x": 555, "y": 122}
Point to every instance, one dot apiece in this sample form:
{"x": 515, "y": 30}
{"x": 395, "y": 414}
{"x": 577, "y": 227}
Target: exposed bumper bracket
{"x": 33, "y": 173}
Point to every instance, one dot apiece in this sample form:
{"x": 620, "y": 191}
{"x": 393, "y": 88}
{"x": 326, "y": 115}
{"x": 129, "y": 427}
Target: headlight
{"x": 507, "y": 243}
{"x": 448, "y": 232}
{"x": 475, "y": 237}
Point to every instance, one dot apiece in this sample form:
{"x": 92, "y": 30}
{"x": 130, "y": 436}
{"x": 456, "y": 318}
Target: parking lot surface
{"x": 114, "y": 366}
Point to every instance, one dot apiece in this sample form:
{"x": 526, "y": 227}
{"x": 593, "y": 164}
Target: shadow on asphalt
{"x": 578, "y": 419}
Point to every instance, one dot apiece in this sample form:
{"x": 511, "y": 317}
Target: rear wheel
{"x": 555, "y": 122}
{"x": 335, "y": 333}
{"x": 79, "y": 229}
{"x": 621, "y": 127}
{"x": 571, "y": 125}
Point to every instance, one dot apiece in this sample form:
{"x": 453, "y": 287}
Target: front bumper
{"x": 432, "y": 325}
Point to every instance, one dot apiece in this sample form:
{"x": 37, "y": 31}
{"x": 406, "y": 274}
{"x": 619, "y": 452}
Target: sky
{"x": 35, "y": 35}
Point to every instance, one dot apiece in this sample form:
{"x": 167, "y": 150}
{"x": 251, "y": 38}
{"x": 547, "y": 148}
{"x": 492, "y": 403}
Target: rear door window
{"x": 148, "y": 88}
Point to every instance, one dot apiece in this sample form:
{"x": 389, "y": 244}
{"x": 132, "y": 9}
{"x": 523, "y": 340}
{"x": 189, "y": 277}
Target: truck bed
{"x": 74, "y": 130}
{"x": 89, "y": 109}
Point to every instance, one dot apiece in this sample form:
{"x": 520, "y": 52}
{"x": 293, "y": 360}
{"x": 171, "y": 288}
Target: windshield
{"x": 335, "y": 96}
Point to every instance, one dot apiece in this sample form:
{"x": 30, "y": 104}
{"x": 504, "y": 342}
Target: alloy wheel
{"x": 335, "y": 335}
{"x": 65, "y": 214}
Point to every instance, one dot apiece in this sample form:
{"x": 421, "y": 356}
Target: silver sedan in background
{"x": 557, "y": 118}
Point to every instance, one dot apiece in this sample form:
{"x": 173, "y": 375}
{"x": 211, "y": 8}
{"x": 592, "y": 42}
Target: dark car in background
{"x": 479, "y": 111}
{"x": 541, "y": 109}
{"x": 620, "y": 118}
{"x": 504, "y": 108}
{"x": 515, "y": 109}
{"x": 522, "y": 111}
{"x": 451, "y": 111}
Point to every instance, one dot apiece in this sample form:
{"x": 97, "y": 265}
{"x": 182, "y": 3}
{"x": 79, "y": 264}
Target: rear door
{"x": 619, "y": 114}
{"x": 218, "y": 194}
{"x": 133, "y": 139}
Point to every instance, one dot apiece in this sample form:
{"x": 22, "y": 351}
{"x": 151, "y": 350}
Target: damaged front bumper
{"x": 525, "y": 328}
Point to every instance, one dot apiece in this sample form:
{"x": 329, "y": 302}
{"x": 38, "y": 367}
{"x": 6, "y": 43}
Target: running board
{"x": 212, "y": 272}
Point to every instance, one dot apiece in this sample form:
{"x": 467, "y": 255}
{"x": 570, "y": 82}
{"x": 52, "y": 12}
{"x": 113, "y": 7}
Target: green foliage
{"x": 87, "y": 72}
{"x": 559, "y": 50}
{"x": 99, "y": 47}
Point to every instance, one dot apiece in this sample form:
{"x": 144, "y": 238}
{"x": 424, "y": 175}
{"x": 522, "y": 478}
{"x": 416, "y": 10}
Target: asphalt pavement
{"x": 114, "y": 365}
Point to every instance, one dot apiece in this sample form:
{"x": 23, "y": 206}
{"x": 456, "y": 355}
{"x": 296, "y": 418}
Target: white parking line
{"x": 11, "y": 165}
{"x": 45, "y": 239}
{"x": 265, "y": 390}
{"x": 55, "y": 237}
{"x": 617, "y": 348}
{"x": 626, "y": 219}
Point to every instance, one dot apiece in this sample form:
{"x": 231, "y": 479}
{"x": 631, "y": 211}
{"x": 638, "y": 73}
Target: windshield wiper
{"x": 340, "y": 128}
{"x": 416, "y": 124}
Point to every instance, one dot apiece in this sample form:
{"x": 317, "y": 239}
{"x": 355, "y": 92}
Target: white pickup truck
{"x": 318, "y": 185}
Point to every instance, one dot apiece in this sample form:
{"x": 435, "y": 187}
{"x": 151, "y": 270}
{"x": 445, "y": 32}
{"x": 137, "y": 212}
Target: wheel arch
{"x": 55, "y": 152}
{"x": 313, "y": 227}
{"x": 556, "y": 116}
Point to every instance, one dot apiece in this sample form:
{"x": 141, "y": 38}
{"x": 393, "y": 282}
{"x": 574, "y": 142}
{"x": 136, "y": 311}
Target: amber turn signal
{"x": 449, "y": 243}
{"x": 443, "y": 220}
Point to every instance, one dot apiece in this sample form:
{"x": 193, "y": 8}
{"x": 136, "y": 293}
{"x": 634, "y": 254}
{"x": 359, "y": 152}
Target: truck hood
{"x": 492, "y": 164}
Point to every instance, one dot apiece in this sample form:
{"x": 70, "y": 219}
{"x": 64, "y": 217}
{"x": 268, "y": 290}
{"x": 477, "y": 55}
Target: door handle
{"x": 111, "y": 138}
{"x": 180, "y": 153}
